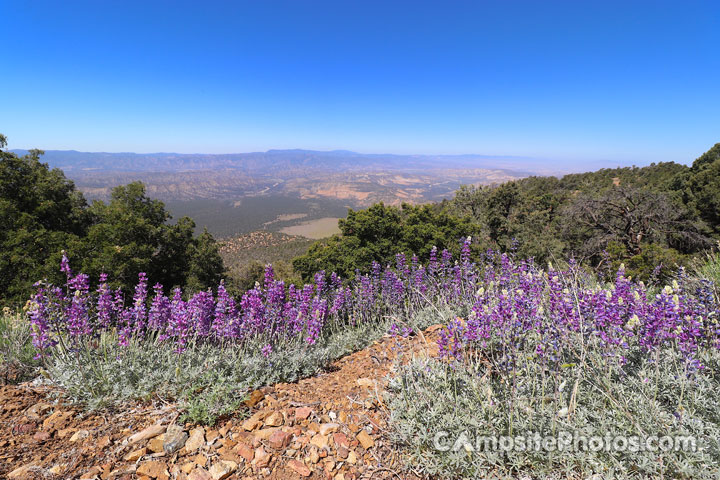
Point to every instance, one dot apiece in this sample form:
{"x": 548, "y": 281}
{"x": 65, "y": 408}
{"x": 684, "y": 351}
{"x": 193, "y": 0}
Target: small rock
{"x": 41, "y": 436}
{"x": 365, "y": 382}
{"x": 37, "y": 411}
{"x": 314, "y": 456}
{"x": 352, "y": 458}
{"x": 56, "y": 469}
{"x": 339, "y": 476}
{"x": 245, "y": 451}
{"x": 187, "y": 467}
{"x": 222, "y": 469}
{"x": 135, "y": 455}
{"x": 365, "y": 440}
{"x": 251, "y": 423}
{"x": 280, "y": 439}
{"x": 327, "y": 428}
{"x": 265, "y": 433}
{"x": 91, "y": 474}
{"x": 200, "y": 474}
{"x": 148, "y": 433}
{"x": 274, "y": 420}
{"x": 21, "y": 472}
{"x": 262, "y": 458}
{"x": 196, "y": 440}
{"x": 255, "y": 397}
{"x": 341, "y": 440}
{"x": 302, "y": 413}
{"x": 155, "y": 445}
{"x": 299, "y": 468}
{"x": 319, "y": 440}
{"x": 154, "y": 469}
{"x": 79, "y": 435}
{"x": 174, "y": 439}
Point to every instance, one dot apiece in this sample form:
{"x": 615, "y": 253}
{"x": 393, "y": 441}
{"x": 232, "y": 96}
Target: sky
{"x": 577, "y": 82}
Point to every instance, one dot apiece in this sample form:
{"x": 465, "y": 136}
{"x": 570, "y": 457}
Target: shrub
{"x": 554, "y": 351}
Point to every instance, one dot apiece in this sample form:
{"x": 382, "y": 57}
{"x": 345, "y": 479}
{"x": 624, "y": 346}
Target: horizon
{"x": 561, "y": 83}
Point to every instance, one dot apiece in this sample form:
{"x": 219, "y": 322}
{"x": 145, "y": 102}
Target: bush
{"x": 553, "y": 352}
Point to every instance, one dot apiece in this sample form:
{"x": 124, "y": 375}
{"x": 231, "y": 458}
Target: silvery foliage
{"x": 651, "y": 397}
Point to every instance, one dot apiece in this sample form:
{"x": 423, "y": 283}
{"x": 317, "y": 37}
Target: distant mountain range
{"x": 273, "y": 160}
{"x": 237, "y": 193}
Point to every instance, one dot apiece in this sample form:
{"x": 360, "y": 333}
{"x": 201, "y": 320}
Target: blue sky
{"x": 567, "y": 82}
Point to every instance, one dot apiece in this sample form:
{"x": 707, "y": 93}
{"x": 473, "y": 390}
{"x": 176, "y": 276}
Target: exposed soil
{"x": 331, "y": 426}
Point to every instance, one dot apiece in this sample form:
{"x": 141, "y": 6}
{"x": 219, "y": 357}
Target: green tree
{"x": 378, "y": 233}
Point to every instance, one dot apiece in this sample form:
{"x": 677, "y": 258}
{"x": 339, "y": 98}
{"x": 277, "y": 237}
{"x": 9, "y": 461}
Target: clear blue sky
{"x": 576, "y": 81}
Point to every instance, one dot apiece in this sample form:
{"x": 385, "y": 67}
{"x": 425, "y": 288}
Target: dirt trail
{"x": 331, "y": 426}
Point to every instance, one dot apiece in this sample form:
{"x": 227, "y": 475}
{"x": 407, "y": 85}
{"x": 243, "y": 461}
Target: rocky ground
{"x": 332, "y": 426}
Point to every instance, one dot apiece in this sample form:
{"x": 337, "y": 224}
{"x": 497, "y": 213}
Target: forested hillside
{"x": 652, "y": 219}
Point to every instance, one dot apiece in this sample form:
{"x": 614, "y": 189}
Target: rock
{"x": 200, "y": 474}
{"x": 103, "y": 442}
{"x": 148, "y": 433}
{"x": 274, "y": 420}
{"x": 37, "y": 411}
{"x": 342, "y": 417}
{"x": 314, "y": 457}
{"x": 57, "y": 418}
{"x": 174, "y": 439}
{"x": 79, "y": 435}
{"x": 352, "y": 458}
{"x": 341, "y": 440}
{"x": 91, "y": 474}
{"x": 302, "y": 413}
{"x": 65, "y": 432}
{"x": 365, "y": 440}
{"x": 56, "y": 469}
{"x": 135, "y": 455}
{"x": 299, "y": 468}
{"x": 196, "y": 440}
{"x": 280, "y": 439}
{"x": 319, "y": 440}
{"x": 265, "y": 433}
{"x": 21, "y": 473}
{"x": 327, "y": 428}
{"x": 262, "y": 458}
{"x": 245, "y": 451}
{"x": 252, "y": 423}
{"x": 339, "y": 476}
{"x": 222, "y": 469}
{"x": 365, "y": 382}
{"x": 155, "y": 445}
{"x": 41, "y": 436}
{"x": 187, "y": 467}
{"x": 154, "y": 469}
{"x": 255, "y": 397}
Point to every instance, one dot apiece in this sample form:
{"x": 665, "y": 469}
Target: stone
{"x": 365, "y": 440}
{"x": 319, "y": 440}
{"x": 135, "y": 454}
{"x": 262, "y": 458}
{"x": 37, "y": 411}
{"x": 302, "y": 413}
{"x": 365, "y": 382}
{"x": 187, "y": 467}
{"x": 154, "y": 469}
{"x": 222, "y": 469}
{"x": 103, "y": 442}
{"x": 339, "y": 476}
{"x": 352, "y": 458}
{"x": 245, "y": 451}
{"x": 314, "y": 457}
{"x": 252, "y": 423}
{"x": 275, "y": 419}
{"x": 299, "y": 468}
{"x": 280, "y": 439}
{"x": 341, "y": 440}
{"x": 255, "y": 397}
{"x": 66, "y": 432}
{"x": 56, "y": 469}
{"x": 196, "y": 440}
{"x": 91, "y": 474}
{"x": 200, "y": 474}
{"x": 265, "y": 433}
{"x": 57, "y": 418}
{"x": 155, "y": 445}
{"x": 174, "y": 439}
{"x": 79, "y": 435}
{"x": 327, "y": 428}
{"x": 41, "y": 436}
{"x": 148, "y": 433}
{"x": 343, "y": 417}
{"x": 21, "y": 473}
